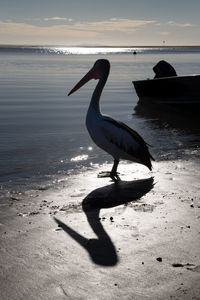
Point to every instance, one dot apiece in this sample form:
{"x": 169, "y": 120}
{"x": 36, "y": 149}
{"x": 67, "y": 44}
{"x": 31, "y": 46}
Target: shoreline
{"x": 55, "y": 245}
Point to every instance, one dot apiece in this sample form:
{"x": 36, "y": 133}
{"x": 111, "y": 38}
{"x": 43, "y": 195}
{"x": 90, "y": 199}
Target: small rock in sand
{"x": 159, "y": 259}
{"x": 177, "y": 265}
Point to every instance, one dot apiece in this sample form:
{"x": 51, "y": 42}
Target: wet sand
{"x": 87, "y": 238}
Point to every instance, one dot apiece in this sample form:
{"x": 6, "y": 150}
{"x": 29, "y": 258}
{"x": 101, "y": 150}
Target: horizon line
{"x": 97, "y": 46}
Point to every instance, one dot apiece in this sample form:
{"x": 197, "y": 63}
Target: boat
{"x": 169, "y": 89}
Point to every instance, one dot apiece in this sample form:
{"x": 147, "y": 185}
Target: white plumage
{"x": 114, "y": 137}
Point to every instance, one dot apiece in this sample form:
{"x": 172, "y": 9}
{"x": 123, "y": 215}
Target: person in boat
{"x": 164, "y": 69}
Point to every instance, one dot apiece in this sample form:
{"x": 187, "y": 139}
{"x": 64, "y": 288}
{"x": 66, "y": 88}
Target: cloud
{"x": 118, "y": 25}
{"x": 57, "y": 19}
{"x": 22, "y": 33}
{"x": 106, "y": 30}
{"x": 164, "y": 33}
{"x": 114, "y": 24}
{"x": 181, "y": 24}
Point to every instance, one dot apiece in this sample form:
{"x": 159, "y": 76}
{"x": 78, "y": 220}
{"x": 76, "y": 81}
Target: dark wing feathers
{"x": 143, "y": 154}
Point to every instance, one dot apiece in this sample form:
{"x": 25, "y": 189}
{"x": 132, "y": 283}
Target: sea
{"x": 43, "y": 137}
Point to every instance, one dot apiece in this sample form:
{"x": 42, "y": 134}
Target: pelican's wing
{"x": 127, "y": 139}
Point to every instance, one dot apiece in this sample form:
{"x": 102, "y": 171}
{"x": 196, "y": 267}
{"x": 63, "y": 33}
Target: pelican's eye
{"x": 96, "y": 74}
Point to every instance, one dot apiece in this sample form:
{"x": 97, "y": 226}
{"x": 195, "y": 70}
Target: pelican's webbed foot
{"x": 113, "y": 175}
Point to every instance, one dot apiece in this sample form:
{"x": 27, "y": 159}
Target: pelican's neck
{"x": 95, "y": 100}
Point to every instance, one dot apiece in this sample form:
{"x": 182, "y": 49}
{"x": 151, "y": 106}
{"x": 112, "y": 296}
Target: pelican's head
{"x": 101, "y": 67}
{"x": 100, "y": 70}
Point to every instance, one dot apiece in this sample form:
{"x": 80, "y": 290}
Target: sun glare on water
{"x": 88, "y": 50}
{"x": 80, "y": 157}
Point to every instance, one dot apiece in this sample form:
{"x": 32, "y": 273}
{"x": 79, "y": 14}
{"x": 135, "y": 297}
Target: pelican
{"x": 114, "y": 137}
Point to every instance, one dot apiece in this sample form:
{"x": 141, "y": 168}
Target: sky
{"x": 100, "y": 22}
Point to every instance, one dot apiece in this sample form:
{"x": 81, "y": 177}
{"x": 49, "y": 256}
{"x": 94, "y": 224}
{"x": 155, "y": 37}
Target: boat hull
{"x": 181, "y": 91}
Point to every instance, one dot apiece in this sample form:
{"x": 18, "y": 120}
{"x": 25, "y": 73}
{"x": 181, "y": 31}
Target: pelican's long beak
{"x": 90, "y": 75}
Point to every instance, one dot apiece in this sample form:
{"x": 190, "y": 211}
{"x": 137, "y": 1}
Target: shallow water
{"x": 42, "y": 131}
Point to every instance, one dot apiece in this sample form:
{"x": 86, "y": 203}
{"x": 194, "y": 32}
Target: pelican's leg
{"x": 113, "y": 173}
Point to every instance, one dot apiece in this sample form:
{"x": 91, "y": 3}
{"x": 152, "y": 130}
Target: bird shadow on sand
{"x": 102, "y": 250}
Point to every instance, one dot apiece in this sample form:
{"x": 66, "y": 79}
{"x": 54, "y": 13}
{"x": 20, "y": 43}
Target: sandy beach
{"x": 88, "y": 238}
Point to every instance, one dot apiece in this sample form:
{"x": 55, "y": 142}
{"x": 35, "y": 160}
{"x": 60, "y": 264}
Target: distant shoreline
{"x": 92, "y": 46}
